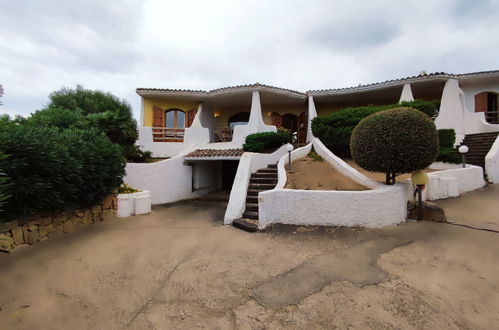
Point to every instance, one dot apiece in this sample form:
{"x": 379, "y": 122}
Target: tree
{"x": 83, "y": 108}
{"x": 395, "y": 141}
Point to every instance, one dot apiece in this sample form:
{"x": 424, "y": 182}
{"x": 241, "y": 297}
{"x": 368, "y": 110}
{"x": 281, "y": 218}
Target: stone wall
{"x": 39, "y": 228}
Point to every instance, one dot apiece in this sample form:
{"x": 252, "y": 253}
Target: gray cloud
{"x": 119, "y": 45}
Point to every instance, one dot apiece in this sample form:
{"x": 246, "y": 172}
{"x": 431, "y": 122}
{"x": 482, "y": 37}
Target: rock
{"x": 57, "y": 231}
{"x": 32, "y": 227}
{"x": 45, "y": 221}
{"x": 76, "y": 221}
{"x": 25, "y": 233}
{"x": 46, "y": 230}
{"x": 107, "y": 203}
{"x": 6, "y": 226}
{"x": 17, "y": 235}
{"x": 96, "y": 210}
{"x": 6, "y": 243}
{"x": 33, "y": 237}
{"x": 68, "y": 226}
{"x": 79, "y": 213}
{"x": 59, "y": 219}
{"x": 430, "y": 211}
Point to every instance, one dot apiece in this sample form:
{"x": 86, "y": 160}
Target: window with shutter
{"x": 481, "y": 102}
{"x": 191, "y": 114}
{"x": 276, "y": 119}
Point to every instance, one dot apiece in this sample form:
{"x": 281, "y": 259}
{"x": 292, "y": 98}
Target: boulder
{"x": 33, "y": 236}
{"x": 6, "y": 243}
{"x": 68, "y": 226}
{"x": 46, "y": 230}
{"x": 17, "y": 235}
{"x": 430, "y": 211}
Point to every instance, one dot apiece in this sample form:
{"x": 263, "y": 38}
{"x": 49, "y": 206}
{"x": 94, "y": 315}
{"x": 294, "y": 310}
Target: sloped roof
{"x": 203, "y": 153}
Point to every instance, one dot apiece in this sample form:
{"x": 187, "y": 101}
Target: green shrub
{"x": 446, "y": 137}
{"x": 4, "y": 186}
{"x": 57, "y": 117}
{"x": 335, "y": 129}
{"x": 260, "y": 142}
{"x": 51, "y": 169}
{"x": 395, "y": 141}
{"x": 449, "y": 155}
{"x": 428, "y": 107}
{"x": 134, "y": 154}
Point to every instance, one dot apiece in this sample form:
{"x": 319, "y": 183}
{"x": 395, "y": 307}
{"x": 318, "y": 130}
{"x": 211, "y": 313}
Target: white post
{"x": 406, "y": 95}
{"x": 312, "y": 113}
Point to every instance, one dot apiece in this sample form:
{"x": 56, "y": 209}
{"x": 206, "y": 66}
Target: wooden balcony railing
{"x": 164, "y": 134}
{"x": 492, "y": 117}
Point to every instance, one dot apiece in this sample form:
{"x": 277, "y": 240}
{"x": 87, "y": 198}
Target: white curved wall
{"x": 249, "y": 163}
{"x": 492, "y": 162}
{"x": 384, "y": 205}
{"x": 167, "y": 181}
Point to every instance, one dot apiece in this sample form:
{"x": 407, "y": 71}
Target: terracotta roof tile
{"x": 201, "y": 153}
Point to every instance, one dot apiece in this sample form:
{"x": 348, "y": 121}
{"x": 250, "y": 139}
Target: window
{"x": 175, "y": 119}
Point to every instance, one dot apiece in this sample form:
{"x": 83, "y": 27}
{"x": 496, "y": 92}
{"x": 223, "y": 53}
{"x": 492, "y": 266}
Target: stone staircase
{"x": 479, "y": 145}
{"x": 265, "y": 179}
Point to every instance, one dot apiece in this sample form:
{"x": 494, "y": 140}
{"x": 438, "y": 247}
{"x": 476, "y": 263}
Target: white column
{"x": 142, "y": 118}
{"x": 197, "y": 134}
{"x": 406, "y": 95}
{"x": 451, "y": 113}
{"x": 312, "y": 113}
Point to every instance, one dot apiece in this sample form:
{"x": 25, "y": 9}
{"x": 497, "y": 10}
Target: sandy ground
{"x": 179, "y": 268}
{"x": 381, "y": 177}
{"x": 479, "y": 209}
{"x": 310, "y": 174}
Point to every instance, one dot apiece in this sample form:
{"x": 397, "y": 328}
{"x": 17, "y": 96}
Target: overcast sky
{"x": 120, "y": 45}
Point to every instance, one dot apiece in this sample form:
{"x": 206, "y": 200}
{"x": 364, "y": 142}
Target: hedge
{"x": 395, "y": 141}
{"x": 260, "y": 142}
{"x": 335, "y": 129}
{"x": 51, "y": 169}
{"x": 447, "y": 152}
{"x": 4, "y": 185}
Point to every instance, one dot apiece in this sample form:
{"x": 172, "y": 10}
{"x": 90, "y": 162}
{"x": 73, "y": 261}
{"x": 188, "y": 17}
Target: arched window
{"x": 241, "y": 118}
{"x": 290, "y": 122}
{"x": 174, "y": 118}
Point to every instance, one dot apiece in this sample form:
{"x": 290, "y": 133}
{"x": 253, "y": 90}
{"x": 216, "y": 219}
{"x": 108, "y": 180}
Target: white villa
{"x": 203, "y": 131}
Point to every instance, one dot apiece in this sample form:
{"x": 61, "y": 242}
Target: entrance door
{"x": 302, "y": 128}
{"x": 229, "y": 169}
{"x": 290, "y": 122}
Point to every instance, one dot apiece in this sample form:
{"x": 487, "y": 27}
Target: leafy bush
{"x": 335, "y": 129}
{"x": 127, "y": 189}
{"x": 446, "y": 137}
{"x": 134, "y": 154}
{"x": 51, "y": 169}
{"x": 260, "y": 142}
{"x": 430, "y": 108}
{"x": 395, "y": 141}
{"x": 4, "y": 185}
{"x": 447, "y": 153}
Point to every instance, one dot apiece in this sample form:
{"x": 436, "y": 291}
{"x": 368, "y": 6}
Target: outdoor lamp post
{"x": 420, "y": 179}
{"x": 463, "y": 149}
{"x": 290, "y": 148}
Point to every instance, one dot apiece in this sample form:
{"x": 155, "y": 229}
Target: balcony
{"x": 164, "y": 134}
{"x": 492, "y": 117}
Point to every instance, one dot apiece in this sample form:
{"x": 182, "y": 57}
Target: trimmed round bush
{"x": 394, "y": 142}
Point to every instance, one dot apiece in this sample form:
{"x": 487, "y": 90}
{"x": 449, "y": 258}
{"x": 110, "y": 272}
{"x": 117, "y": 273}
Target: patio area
{"x": 181, "y": 268}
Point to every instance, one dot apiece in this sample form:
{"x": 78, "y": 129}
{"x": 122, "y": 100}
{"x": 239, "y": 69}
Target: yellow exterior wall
{"x": 165, "y": 104}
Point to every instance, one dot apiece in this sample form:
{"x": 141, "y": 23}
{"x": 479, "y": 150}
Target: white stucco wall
{"x": 255, "y": 124}
{"x": 492, "y": 162}
{"x": 384, "y": 205}
{"x": 406, "y": 95}
{"x": 249, "y": 163}
{"x": 457, "y": 108}
{"x": 197, "y": 133}
{"x": 168, "y": 180}
{"x": 312, "y": 113}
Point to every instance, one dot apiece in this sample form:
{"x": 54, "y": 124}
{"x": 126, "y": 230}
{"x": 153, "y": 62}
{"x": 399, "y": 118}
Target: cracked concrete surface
{"x": 179, "y": 268}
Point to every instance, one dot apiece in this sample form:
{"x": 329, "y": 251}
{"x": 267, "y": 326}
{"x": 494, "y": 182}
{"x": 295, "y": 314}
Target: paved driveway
{"x": 179, "y": 268}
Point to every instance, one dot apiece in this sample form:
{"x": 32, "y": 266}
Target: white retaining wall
{"x": 249, "y": 163}
{"x": 492, "y": 162}
{"x": 382, "y": 206}
{"x": 168, "y": 180}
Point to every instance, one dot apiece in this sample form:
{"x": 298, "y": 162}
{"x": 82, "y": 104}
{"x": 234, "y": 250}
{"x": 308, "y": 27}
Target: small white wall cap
{"x": 463, "y": 149}
{"x": 289, "y": 147}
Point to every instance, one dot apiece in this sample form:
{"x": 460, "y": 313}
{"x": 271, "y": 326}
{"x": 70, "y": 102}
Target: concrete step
{"x": 264, "y": 175}
{"x": 253, "y": 192}
{"x": 482, "y": 134}
{"x": 261, "y": 186}
{"x": 250, "y": 215}
{"x": 272, "y": 166}
{"x": 249, "y": 225}
{"x": 267, "y": 170}
{"x": 264, "y": 180}
{"x": 252, "y": 199}
{"x": 252, "y": 207}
